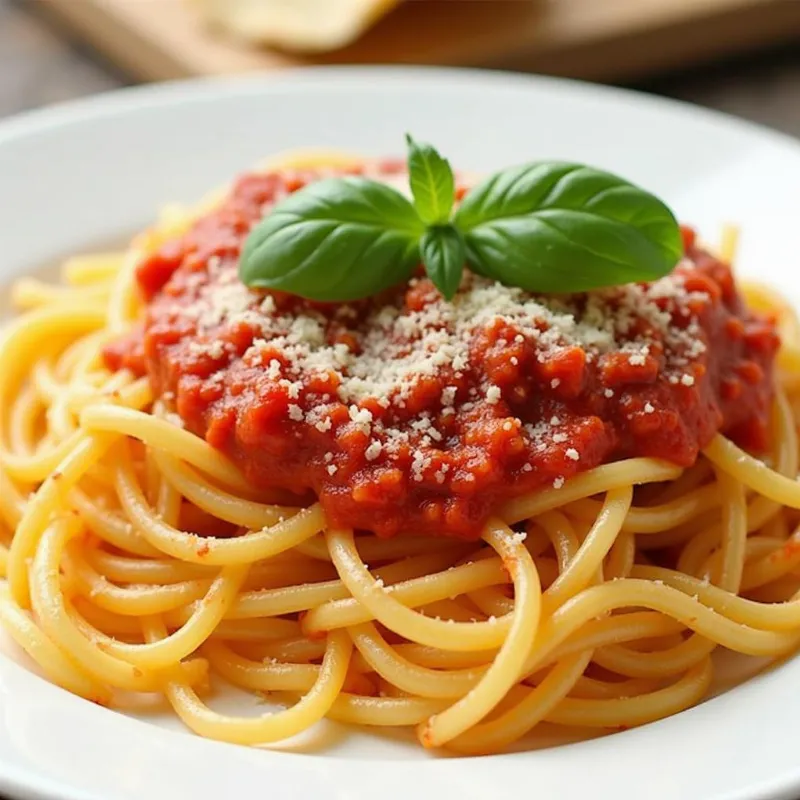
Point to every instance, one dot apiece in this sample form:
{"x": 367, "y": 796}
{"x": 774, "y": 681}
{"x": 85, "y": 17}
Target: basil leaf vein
{"x": 443, "y": 253}
{"x": 432, "y": 182}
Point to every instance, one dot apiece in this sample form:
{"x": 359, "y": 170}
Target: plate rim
{"x": 127, "y": 97}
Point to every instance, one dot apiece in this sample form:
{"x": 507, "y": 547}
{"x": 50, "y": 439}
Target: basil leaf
{"x": 443, "y": 254}
{"x": 334, "y": 240}
{"x": 557, "y": 227}
{"x": 432, "y": 183}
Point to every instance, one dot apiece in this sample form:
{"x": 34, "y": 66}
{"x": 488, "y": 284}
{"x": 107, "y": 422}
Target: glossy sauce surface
{"x": 406, "y": 415}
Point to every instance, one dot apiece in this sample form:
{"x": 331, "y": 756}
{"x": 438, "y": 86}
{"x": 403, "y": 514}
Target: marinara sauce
{"x": 408, "y": 414}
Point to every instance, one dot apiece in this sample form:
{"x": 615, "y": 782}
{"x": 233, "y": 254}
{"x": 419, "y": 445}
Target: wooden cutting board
{"x": 593, "y": 39}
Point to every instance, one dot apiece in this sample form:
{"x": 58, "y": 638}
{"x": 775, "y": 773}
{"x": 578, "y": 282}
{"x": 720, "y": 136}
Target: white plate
{"x": 86, "y": 173}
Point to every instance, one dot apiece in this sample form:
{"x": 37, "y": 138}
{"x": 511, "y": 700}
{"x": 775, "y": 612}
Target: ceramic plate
{"x": 79, "y": 176}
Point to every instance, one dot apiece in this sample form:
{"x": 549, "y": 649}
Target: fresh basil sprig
{"x": 544, "y": 227}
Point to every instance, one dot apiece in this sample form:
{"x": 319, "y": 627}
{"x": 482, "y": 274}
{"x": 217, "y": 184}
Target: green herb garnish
{"x": 545, "y": 227}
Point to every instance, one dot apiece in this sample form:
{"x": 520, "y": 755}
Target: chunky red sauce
{"x": 405, "y": 415}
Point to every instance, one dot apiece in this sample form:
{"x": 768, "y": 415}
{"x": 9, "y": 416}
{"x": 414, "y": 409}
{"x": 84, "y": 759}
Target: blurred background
{"x": 740, "y": 56}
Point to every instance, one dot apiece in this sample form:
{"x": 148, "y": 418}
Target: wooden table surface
{"x": 39, "y": 66}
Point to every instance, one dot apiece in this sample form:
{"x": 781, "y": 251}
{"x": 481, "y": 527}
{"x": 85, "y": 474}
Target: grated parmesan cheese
{"x": 493, "y": 394}
{"x": 373, "y": 451}
{"x": 214, "y": 349}
{"x": 386, "y": 352}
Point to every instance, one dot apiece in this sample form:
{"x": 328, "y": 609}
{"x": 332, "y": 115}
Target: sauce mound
{"x": 408, "y": 414}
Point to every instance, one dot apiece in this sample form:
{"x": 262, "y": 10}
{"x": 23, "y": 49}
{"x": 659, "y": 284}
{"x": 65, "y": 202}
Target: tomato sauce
{"x": 501, "y": 405}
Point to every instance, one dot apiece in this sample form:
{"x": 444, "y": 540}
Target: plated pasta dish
{"x": 402, "y": 448}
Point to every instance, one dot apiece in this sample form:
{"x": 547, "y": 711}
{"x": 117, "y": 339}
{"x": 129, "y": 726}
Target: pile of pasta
{"x": 584, "y": 609}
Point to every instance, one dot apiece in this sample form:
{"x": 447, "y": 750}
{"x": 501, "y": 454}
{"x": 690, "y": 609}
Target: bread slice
{"x": 303, "y": 26}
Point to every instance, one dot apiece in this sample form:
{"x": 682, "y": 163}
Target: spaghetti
{"x": 139, "y": 558}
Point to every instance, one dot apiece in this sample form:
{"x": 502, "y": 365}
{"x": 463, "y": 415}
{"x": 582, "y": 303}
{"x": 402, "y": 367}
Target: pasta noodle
{"x": 110, "y": 590}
